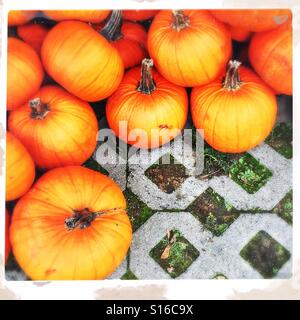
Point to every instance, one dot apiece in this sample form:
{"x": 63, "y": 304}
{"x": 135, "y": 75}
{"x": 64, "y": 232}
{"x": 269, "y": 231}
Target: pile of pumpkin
{"x": 72, "y": 223}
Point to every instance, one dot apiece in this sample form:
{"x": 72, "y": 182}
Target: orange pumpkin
{"x": 270, "y": 54}
{"x": 82, "y": 60}
{"x": 20, "y": 171}
{"x": 19, "y": 17}
{"x": 92, "y": 16}
{"x": 239, "y": 34}
{"x": 254, "y": 20}
{"x": 139, "y": 15}
{"x": 72, "y": 225}
{"x": 33, "y": 34}
{"x": 236, "y": 114}
{"x": 7, "y": 242}
{"x": 155, "y": 110}
{"x": 189, "y": 47}
{"x": 57, "y": 128}
{"x": 24, "y": 73}
{"x": 129, "y": 38}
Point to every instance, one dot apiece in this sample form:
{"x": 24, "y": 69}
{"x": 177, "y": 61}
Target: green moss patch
{"x": 213, "y": 212}
{"x": 285, "y": 208}
{"x": 174, "y": 253}
{"x": 281, "y": 139}
{"x": 129, "y": 275}
{"x": 249, "y": 173}
{"x": 137, "y": 210}
{"x": 265, "y": 254}
{"x": 91, "y": 163}
{"x": 219, "y": 276}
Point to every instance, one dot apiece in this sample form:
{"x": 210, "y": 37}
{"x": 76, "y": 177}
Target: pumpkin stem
{"x": 82, "y": 219}
{"x": 146, "y": 84}
{"x": 180, "y": 20}
{"x": 232, "y": 79}
{"x": 112, "y": 29}
{"x": 39, "y": 110}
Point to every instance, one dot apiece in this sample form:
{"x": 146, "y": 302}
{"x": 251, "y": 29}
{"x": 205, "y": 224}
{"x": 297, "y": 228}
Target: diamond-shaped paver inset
{"x": 265, "y": 254}
{"x": 174, "y": 253}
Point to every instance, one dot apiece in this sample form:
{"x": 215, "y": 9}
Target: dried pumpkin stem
{"x": 112, "y": 29}
{"x": 82, "y": 219}
{"x": 39, "y": 110}
{"x": 180, "y": 20}
{"x": 232, "y": 79}
{"x": 146, "y": 84}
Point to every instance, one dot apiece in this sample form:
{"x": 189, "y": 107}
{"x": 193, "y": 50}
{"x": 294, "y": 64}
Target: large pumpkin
{"x": 189, "y": 47}
{"x": 129, "y": 38}
{"x": 33, "y": 34}
{"x": 19, "y": 17}
{"x": 92, "y": 16}
{"x": 236, "y": 114}
{"x": 57, "y": 128}
{"x": 7, "y": 242}
{"x": 139, "y": 15}
{"x": 270, "y": 54}
{"x": 72, "y": 225}
{"x": 24, "y": 73}
{"x": 254, "y": 20}
{"x": 239, "y": 34}
{"x": 20, "y": 171}
{"x": 154, "y": 109}
{"x": 82, "y": 60}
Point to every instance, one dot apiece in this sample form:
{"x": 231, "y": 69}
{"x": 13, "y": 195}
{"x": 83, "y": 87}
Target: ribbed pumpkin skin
{"x": 24, "y": 73}
{"x": 165, "y": 109}
{"x": 254, "y": 20}
{"x": 234, "y": 121}
{"x": 270, "y": 54}
{"x": 66, "y": 136}
{"x": 195, "y": 55}
{"x": 19, "y": 17}
{"x": 82, "y": 61}
{"x": 33, "y": 34}
{"x": 93, "y": 16}
{"x": 7, "y": 242}
{"x": 139, "y": 15}
{"x": 239, "y": 34}
{"x": 20, "y": 171}
{"x": 46, "y": 250}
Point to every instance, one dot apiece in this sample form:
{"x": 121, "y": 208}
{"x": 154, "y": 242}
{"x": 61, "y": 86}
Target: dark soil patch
{"x": 285, "y": 208}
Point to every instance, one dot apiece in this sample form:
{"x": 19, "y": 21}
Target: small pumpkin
{"x": 82, "y": 60}
{"x": 92, "y": 16}
{"x": 33, "y": 34}
{"x": 73, "y": 222}
{"x": 19, "y": 17}
{"x": 57, "y": 128}
{"x": 139, "y": 15}
{"x": 24, "y": 73}
{"x": 254, "y": 20}
{"x": 7, "y": 242}
{"x": 129, "y": 38}
{"x": 195, "y": 45}
{"x": 239, "y": 34}
{"x": 236, "y": 114}
{"x": 270, "y": 54}
{"x": 20, "y": 171}
{"x": 154, "y": 109}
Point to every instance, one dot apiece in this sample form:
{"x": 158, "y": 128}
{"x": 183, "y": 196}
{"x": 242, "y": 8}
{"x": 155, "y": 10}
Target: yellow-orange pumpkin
{"x": 139, "y": 15}
{"x": 57, "y": 128}
{"x": 72, "y": 225}
{"x": 20, "y": 171}
{"x": 190, "y": 47}
{"x": 82, "y": 60}
{"x": 24, "y": 73}
{"x": 92, "y": 16}
{"x": 154, "y": 109}
{"x": 7, "y": 242}
{"x": 33, "y": 34}
{"x": 236, "y": 114}
{"x": 19, "y": 17}
{"x": 254, "y": 20}
{"x": 270, "y": 54}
